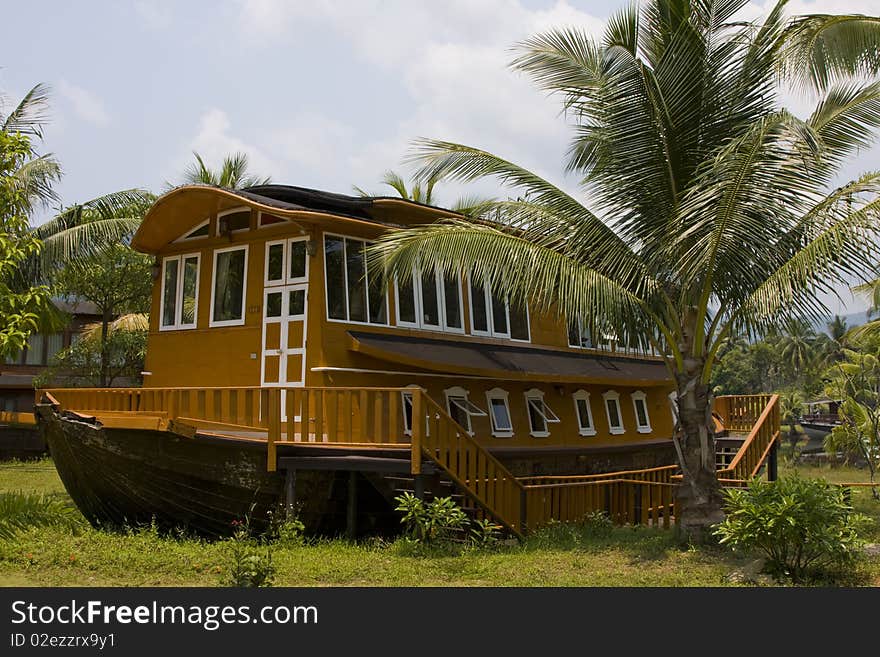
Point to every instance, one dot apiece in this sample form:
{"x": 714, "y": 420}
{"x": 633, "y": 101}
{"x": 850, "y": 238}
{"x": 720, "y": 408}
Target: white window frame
{"x": 404, "y": 395}
{"x": 229, "y": 322}
{"x": 581, "y": 325}
{"x": 178, "y": 294}
{"x": 284, "y": 220}
{"x": 187, "y": 238}
{"x": 468, "y": 406}
{"x": 418, "y": 299}
{"x": 613, "y": 395}
{"x": 490, "y": 316}
{"x": 640, "y": 396}
{"x": 345, "y": 279}
{"x": 286, "y": 255}
{"x": 545, "y": 412}
{"x": 503, "y": 395}
{"x": 584, "y": 396}
{"x": 242, "y": 208}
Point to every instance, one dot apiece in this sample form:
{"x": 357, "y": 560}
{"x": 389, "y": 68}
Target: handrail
{"x": 754, "y": 450}
{"x": 482, "y": 476}
{"x": 661, "y": 474}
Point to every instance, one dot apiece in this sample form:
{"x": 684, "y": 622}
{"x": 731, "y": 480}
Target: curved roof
{"x": 185, "y": 207}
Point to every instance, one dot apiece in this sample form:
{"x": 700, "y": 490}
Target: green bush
{"x": 437, "y": 521}
{"x": 805, "y": 528}
{"x": 20, "y": 511}
{"x": 247, "y": 563}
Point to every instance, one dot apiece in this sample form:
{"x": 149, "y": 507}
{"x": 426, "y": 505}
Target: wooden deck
{"x": 362, "y": 430}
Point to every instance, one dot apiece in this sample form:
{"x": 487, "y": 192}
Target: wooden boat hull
{"x": 130, "y": 477}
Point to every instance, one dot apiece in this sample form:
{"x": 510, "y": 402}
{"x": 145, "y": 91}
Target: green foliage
{"x": 484, "y": 533}
{"x": 438, "y": 521}
{"x": 284, "y": 528}
{"x": 804, "y": 527}
{"x": 20, "y": 511}
{"x": 89, "y": 362}
{"x": 20, "y": 309}
{"x": 247, "y": 563}
{"x": 233, "y": 173}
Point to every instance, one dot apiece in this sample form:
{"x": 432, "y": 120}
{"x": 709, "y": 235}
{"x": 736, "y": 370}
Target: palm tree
{"x": 790, "y": 411}
{"x": 798, "y": 346}
{"x": 83, "y": 230}
{"x": 424, "y": 193}
{"x": 233, "y": 173}
{"x": 35, "y": 177}
{"x": 710, "y": 212}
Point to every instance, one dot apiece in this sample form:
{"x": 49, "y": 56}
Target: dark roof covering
{"x": 76, "y": 306}
{"x": 302, "y": 198}
{"x": 510, "y": 361}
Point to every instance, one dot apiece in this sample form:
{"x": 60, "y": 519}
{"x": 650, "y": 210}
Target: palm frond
{"x": 34, "y": 180}
{"x": 824, "y": 48}
{"x": 31, "y": 113}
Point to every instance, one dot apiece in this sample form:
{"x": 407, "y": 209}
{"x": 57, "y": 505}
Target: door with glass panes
{"x": 284, "y": 313}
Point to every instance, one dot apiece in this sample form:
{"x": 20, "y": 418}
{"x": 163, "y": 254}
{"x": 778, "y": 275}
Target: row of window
{"x": 424, "y": 300}
{"x": 541, "y": 416}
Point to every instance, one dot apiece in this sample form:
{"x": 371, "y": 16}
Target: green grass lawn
{"x": 559, "y": 556}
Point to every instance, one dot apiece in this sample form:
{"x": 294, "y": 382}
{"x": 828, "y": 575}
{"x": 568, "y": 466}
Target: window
{"x": 499, "y": 413}
{"x": 202, "y": 230}
{"x": 640, "y": 406}
{"x": 269, "y": 220}
{"x": 229, "y": 286}
{"x": 407, "y": 408}
{"x": 492, "y": 315}
{"x": 352, "y": 293}
{"x": 612, "y": 412}
{"x": 579, "y": 334}
{"x": 180, "y": 292}
{"x": 287, "y": 262}
{"x": 35, "y": 347}
{"x": 54, "y": 344}
{"x": 540, "y": 415}
{"x": 233, "y": 221}
{"x": 430, "y": 300}
{"x": 584, "y": 413}
{"x": 461, "y": 409}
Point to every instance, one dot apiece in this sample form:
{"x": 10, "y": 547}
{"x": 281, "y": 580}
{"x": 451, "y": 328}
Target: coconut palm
{"x": 35, "y": 177}
{"x": 83, "y": 230}
{"x": 423, "y": 192}
{"x": 233, "y": 173}
{"x": 710, "y": 209}
{"x": 798, "y": 346}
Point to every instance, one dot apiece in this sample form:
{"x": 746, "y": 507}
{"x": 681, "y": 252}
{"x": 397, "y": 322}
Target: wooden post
{"x": 419, "y": 486}
{"x": 773, "y": 462}
{"x": 274, "y": 428}
{"x": 351, "y": 511}
{"x": 418, "y": 428}
{"x": 290, "y": 492}
{"x": 523, "y": 510}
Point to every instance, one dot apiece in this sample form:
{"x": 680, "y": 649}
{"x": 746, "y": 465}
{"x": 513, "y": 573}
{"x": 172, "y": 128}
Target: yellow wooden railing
{"x": 375, "y": 416}
{"x": 483, "y": 477}
{"x": 763, "y": 432}
{"x": 17, "y": 417}
{"x": 626, "y": 501}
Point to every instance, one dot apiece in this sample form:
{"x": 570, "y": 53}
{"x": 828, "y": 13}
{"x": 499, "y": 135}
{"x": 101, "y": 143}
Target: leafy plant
{"x": 248, "y": 565}
{"x": 285, "y": 528}
{"x": 804, "y": 527}
{"x": 437, "y": 521}
{"x": 598, "y": 524}
{"x": 20, "y": 511}
{"x": 484, "y": 533}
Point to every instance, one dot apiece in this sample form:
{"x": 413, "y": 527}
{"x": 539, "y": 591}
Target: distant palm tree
{"x": 35, "y": 177}
{"x": 233, "y": 173}
{"x": 82, "y": 230}
{"x": 710, "y": 211}
{"x": 418, "y": 192}
{"x": 797, "y": 345}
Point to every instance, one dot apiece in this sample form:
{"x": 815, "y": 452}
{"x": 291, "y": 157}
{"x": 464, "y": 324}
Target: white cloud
{"x": 85, "y": 104}
{"x": 214, "y": 140}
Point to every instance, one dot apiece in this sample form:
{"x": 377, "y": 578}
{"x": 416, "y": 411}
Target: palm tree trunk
{"x": 105, "y": 364}
{"x": 699, "y": 496}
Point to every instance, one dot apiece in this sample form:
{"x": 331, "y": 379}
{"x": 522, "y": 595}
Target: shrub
{"x": 19, "y": 511}
{"x": 484, "y": 533}
{"x": 285, "y": 528}
{"x": 598, "y": 524}
{"x": 437, "y": 521}
{"x": 804, "y": 527}
{"x": 248, "y": 565}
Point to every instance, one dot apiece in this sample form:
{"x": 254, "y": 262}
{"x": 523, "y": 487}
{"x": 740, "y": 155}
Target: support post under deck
{"x": 290, "y": 492}
{"x": 351, "y": 511}
{"x": 419, "y": 486}
{"x": 772, "y": 462}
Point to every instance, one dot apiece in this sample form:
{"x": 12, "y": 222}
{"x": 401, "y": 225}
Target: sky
{"x": 319, "y": 93}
